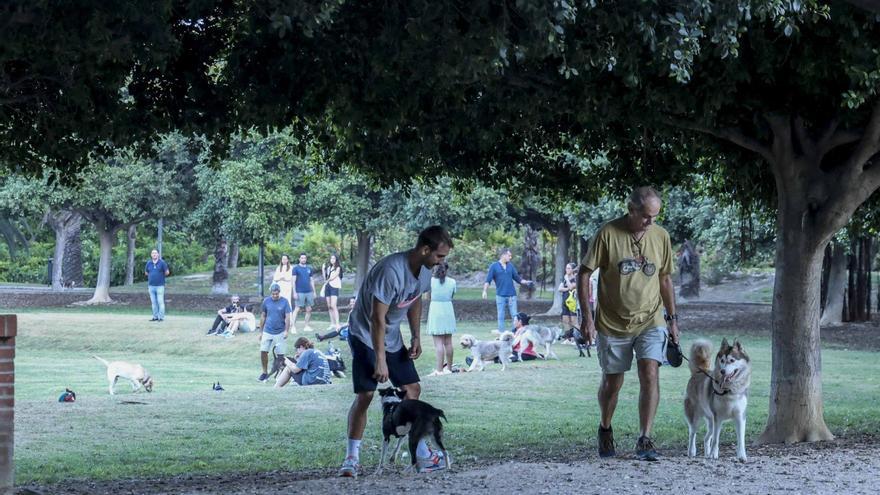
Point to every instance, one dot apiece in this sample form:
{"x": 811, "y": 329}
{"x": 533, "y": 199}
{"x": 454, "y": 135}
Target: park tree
{"x": 86, "y": 76}
{"x": 126, "y": 189}
{"x": 489, "y": 90}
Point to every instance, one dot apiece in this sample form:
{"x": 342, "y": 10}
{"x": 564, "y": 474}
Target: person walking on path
{"x": 504, "y": 274}
{"x": 283, "y": 276}
{"x": 303, "y": 291}
{"x": 391, "y": 291}
{"x": 441, "y": 318}
{"x": 635, "y": 288}
{"x": 156, "y": 270}
{"x": 274, "y": 326}
{"x": 568, "y": 289}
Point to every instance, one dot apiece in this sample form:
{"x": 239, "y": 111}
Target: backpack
{"x": 571, "y": 302}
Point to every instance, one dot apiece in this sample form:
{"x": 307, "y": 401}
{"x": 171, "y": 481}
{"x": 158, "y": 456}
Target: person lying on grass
{"x": 308, "y": 366}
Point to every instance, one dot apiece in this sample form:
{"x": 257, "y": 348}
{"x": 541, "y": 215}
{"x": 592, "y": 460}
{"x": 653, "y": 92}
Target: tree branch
{"x": 808, "y": 146}
{"x": 870, "y": 142}
{"x": 730, "y": 134}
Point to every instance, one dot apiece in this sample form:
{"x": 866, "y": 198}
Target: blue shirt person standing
{"x": 504, "y": 274}
{"x": 303, "y": 291}
{"x": 274, "y": 325}
{"x": 156, "y": 270}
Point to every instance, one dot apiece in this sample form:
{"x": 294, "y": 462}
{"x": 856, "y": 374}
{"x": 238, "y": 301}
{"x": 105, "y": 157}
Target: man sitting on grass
{"x": 308, "y": 366}
{"x": 224, "y": 316}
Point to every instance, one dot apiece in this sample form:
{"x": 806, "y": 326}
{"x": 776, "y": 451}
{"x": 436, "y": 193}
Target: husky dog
{"x": 717, "y": 397}
{"x": 134, "y": 373}
{"x": 538, "y": 336}
{"x": 402, "y": 417}
{"x": 485, "y": 351}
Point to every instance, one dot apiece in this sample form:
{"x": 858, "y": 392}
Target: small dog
{"x": 717, "y": 397}
{"x": 277, "y": 364}
{"x": 134, "y": 373}
{"x": 485, "y": 351}
{"x": 538, "y": 336}
{"x": 574, "y": 335}
{"x": 402, "y": 417}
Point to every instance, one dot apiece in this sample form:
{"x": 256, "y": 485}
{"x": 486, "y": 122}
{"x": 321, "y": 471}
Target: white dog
{"x": 134, "y": 373}
{"x": 484, "y": 351}
{"x": 717, "y": 397}
{"x": 538, "y": 336}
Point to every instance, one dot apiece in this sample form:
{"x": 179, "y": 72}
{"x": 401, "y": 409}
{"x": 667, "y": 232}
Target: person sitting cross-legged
{"x": 244, "y": 321}
{"x": 309, "y": 366}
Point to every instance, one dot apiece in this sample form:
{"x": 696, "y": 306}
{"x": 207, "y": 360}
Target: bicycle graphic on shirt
{"x": 628, "y": 266}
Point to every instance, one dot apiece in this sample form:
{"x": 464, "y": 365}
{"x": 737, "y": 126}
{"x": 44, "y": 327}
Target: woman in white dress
{"x": 284, "y": 278}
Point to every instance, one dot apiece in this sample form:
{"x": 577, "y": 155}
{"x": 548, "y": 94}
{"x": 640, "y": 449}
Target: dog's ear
{"x": 399, "y": 392}
{"x": 737, "y": 346}
{"x": 724, "y": 345}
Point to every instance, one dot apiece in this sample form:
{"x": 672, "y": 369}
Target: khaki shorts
{"x": 268, "y": 340}
{"x": 616, "y": 353}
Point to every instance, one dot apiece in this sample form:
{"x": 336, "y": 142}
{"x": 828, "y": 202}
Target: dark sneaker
{"x": 263, "y": 377}
{"x": 468, "y": 360}
{"x": 645, "y": 450}
{"x": 211, "y": 332}
{"x": 606, "y": 442}
{"x": 154, "y": 319}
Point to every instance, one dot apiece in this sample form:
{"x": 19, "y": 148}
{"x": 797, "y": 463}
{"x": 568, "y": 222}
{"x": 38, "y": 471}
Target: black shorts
{"x": 401, "y": 369}
{"x": 566, "y": 311}
{"x": 331, "y": 291}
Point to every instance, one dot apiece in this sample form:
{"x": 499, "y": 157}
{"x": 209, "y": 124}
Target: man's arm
{"x": 312, "y": 281}
{"x": 414, "y": 316}
{"x": 286, "y": 323}
{"x": 377, "y": 336}
{"x": 489, "y": 276}
{"x": 588, "y": 326}
{"x": 293, "y": 283}
{"x": 262, "y": 321}
{"x": 667, "y": 293}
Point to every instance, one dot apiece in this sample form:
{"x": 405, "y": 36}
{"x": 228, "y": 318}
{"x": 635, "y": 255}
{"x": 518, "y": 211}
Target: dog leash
{"x": 714, "y": 381}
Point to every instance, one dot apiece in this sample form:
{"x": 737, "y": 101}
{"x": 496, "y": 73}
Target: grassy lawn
{"x": 185, "y": 427}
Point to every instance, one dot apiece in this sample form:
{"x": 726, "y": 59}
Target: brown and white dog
{"x": 485, "y": 351}
{"x": 717, "y": 396}
{"x": 134, "y": 373}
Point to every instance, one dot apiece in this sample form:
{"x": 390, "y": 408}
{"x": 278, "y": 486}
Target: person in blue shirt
{"x": 303, "y": 291}
{"x": 504, "y": 274}
{"x": 156, "y": 270}
{"x": 307, "y": 367}
{"x": 274, "y": 325}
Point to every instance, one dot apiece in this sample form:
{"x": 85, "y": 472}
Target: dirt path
{"x": 846, "y": 466}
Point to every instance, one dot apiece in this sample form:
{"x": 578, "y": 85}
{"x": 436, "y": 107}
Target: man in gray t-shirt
{"x": 391, "y": 292}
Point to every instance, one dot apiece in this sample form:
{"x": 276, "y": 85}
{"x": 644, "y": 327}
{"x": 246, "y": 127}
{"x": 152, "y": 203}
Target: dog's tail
{"x": 701, "y": 356}
{"x": 102, "y": 360}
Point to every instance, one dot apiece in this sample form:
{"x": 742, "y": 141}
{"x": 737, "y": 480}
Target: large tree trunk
{"x": 364, "y": 247}
{"x": 233, "y": 256}
{"x": 129, "y": 258}
{"x": 796, "y": 409}
{"x": 531, "y": 258}
{"x": 833, "y": 312}
{"x": 563, "y": 236}
{"x": 72, "y": 269}
{"x": 221, "y": 275}
{"x": 63, "y": 223}
{"x": 102, "y": 286}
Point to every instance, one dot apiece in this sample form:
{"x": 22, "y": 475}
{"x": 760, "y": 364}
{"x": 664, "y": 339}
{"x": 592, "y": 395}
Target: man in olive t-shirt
{"x": 634, "y": 257}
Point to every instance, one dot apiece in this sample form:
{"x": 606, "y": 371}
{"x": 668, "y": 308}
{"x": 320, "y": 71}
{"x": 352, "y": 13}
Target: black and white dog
{"x": 402, "y": 417}
{"x": 574, "y": 335}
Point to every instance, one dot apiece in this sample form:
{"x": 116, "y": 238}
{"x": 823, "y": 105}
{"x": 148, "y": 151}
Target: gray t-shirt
{"x": 391, "y": 282}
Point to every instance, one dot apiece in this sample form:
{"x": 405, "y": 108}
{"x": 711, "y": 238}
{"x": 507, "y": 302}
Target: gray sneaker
{"x": 349, "y": 468}
{"x": 645, "y": 450}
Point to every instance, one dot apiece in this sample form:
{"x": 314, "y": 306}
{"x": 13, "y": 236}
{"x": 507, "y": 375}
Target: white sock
{"x": 353, "y": 449}
{"x": 422, "y": 450}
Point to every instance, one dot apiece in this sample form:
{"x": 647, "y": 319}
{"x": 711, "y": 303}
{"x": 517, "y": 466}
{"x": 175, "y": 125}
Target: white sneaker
{"x": 307, "y": 329}
{"x": 435, "y": 462}
{"x": 350, "y": 467}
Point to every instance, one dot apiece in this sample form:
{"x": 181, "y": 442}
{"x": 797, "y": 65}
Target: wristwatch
{"x": 671, "y": 317}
